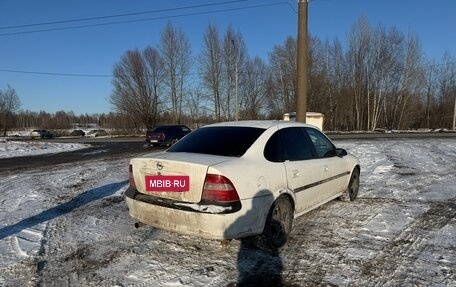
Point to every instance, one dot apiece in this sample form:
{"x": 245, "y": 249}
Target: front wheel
{"x": 278, "y": 226}
{"x": 351, "y": 192}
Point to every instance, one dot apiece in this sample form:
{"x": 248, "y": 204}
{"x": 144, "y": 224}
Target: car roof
{"x": 264, "y": 124}
{"x": 171, "y": 126}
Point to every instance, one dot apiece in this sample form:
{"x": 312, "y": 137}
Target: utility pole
{"x": 301, "y": 93}
{"x": 237, "y": 78}
{"x": 454, "y": 113}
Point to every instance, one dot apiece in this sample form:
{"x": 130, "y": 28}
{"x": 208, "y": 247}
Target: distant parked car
{"x": 78, "y": 133}
{"x": 41, "y": 134}
{"x": 166, "y": 135}
{"x": 97, "y": 133}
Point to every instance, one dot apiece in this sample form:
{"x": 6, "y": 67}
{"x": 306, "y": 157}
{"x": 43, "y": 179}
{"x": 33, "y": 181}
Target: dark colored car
{"x": 78, "y": 133}
{"x": 166, "y": 135}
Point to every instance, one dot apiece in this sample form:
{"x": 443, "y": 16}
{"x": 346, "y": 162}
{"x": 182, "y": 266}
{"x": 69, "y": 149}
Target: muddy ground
{"x": 68, "y": 225}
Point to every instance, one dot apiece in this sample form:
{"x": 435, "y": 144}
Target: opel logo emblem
{"x": 159, "y": 166}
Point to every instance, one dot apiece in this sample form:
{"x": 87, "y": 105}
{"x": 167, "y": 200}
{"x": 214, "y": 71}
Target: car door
{"x": 306, "y": 174}
{"x": 336, "y": 168}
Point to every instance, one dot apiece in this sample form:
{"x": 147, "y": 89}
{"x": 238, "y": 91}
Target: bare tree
{"x": 430, "y": 90}
{"x": 137, "y": 79}
{"x": 359, "y": 42}
{"x": 253, "y": 99}
{"x": 9, "y": 104}
{"x": 175, "y": 50}
{"x": 447, "y": 92}
{"x": 281, "y": 86}
{"x": 384, "y": 69}
{"x": 233, "y": 54}
{"x": 336, "y": 67}
{"x": 155, "y": 71}
{"x": 194, "y": 105}
{"x": 210, "y": 67}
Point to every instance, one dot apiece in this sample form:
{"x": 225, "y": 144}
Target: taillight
{"x": 130, "y": 176}
{"x": 219, "y": 188}
{"x": 161, "y": 136}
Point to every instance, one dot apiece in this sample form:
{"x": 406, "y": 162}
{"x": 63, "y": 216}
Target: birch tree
{"x": 210, "y": 67}
{"x": 176, "y": 54}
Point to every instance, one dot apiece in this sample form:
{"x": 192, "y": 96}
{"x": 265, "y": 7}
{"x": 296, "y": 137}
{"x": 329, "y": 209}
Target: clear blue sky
{"x": 94, "y": 50}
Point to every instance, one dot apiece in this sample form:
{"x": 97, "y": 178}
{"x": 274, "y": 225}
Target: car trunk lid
{"x": 168, "y": 164}
{"x": 156, "y": 136}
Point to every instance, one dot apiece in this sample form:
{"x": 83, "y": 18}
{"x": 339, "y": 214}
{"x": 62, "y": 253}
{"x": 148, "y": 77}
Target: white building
{"x": 312, "y": 118}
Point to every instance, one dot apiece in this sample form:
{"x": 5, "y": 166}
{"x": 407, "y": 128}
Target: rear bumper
{"x": 207, "y": 221}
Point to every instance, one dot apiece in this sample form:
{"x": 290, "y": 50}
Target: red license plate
{"x": 173, "y": 183}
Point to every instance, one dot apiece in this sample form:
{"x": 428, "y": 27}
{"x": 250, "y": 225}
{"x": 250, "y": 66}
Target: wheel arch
{"x": 286, "y": 193}
{"x": 290, "y": 197}
{"x": 356, "y": 167}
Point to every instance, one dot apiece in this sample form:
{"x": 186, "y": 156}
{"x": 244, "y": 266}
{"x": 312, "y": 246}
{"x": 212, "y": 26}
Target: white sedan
{"x": 240, "y": 179}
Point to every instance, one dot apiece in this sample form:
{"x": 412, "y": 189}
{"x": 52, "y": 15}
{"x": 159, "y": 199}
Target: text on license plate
{"x": 175, "y": 183}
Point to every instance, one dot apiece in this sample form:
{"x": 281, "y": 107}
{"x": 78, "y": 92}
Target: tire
{"x": 351, "y": 192}
{"x": 171, "y": 143}
{"x": 277, "y": 227}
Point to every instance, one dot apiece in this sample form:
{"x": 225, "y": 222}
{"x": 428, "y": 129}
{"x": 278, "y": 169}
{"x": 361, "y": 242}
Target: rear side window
{"x": 273, "y": 151}
{"x": 169, "y": 129}
{"x": 288, "y": 144}
{"x": 224, "y": 141}
{"x": 160, "y": 130}
{"x": 295, "y": 144}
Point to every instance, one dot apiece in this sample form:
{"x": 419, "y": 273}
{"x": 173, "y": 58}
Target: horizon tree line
{"x": 381, "y": 79}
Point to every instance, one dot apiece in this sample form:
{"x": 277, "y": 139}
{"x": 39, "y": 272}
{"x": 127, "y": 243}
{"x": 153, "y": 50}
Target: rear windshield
{"x": 224, "y": 141}
{"x": 166, "y": 129}
{"x": 159, "y": 130}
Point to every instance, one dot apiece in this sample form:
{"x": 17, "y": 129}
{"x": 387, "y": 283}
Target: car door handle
{"x": 295, "y": 173}
{"x": 326, "y": 168}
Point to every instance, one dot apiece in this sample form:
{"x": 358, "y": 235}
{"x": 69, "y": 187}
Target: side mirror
{"x": 340, "y": 152}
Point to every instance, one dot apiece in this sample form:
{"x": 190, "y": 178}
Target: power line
{"x": 55, "y": 74}
{"x": 148, "y": 19}
{"x": 186, "y": 74}
{"x": 120, "y": 15}
{"x": 292, "y": 7}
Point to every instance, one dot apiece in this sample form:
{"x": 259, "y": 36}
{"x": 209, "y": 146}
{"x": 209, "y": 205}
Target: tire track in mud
{"x": 59, "y": 198}
{"x": 385, "y": 267}
{"x": 326, "y": 236}
{"x": 68, "y": 187}
{"x": 334, "y": 225}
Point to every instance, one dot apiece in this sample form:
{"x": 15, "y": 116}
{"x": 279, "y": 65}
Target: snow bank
{"x": 10, "y": 148}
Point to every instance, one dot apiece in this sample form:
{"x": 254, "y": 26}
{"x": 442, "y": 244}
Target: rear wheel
{"x": 278, "y": 225}
{"x": 171, "y": 142}
{"x": 353, "y": 186}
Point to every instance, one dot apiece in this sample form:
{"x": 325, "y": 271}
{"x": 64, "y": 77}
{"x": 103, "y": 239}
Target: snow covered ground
{"x": 11, "y": 148}
{"x": 69, "y": 226}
